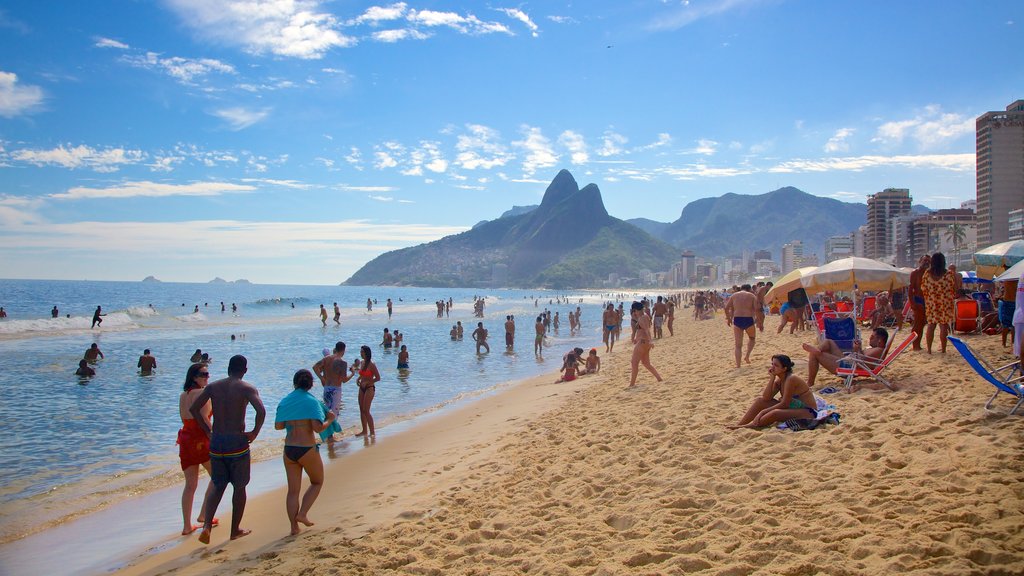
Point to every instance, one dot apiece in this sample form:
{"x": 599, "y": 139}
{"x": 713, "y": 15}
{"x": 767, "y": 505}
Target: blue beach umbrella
{"x": 971, "y": 277}
{"x": 998, "y": 257}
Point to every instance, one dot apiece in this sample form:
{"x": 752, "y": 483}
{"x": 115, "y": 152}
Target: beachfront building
{"x": 999, "y": 162}
{"x": 792, "y": 252}
{"x": 883, "y": 209}
{"x": 838, "y": 247}
{"x": 1016, "y": 224}
{"x": 929, "y": 233}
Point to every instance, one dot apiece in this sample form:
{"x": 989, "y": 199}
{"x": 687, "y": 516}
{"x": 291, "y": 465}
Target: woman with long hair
{"x": 938, "y": 287}
{"x": 785, "y": 397}
{"x": 193, "y": 445}
{"x": 367, "y": 382}
{"x": 302, "y": 415}
{"x": 642, "y": 342}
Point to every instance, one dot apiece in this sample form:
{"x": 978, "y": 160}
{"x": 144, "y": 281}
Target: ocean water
{"x": 75, "y": 445}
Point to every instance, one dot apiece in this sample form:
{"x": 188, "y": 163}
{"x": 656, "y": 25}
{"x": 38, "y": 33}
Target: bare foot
{"x": 204, "y": 536}
{"x": 358, "y": 434}
{"x": 304, "y": 520}
{"x": 190, "y": 530}
{"x": 810, "y": 349}
{"x": 296, "y": 530}
{"x": 240, "y": 534}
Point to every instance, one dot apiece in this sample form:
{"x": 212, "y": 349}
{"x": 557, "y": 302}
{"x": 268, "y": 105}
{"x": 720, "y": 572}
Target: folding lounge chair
{"x": 984, "y": 301}
{"x": 866, "y": 309}
{"x": 1008, "y": 384}
{"x": 842, "y": 331}
{"x": 966, "y": 316}
{"x": 864, "y": 368}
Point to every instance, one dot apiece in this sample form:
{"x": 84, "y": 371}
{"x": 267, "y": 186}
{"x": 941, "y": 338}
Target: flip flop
{"x": 828, "y": 390}
{"x": 216, "y": 522}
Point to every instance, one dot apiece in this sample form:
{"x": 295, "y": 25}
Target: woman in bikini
{"x": 642, "y": 342}
{"x": 368, "y": 378}
{"x": 193, "y": 445}
{"x": 302, "y": 415}
{"x": 795, "y": 399}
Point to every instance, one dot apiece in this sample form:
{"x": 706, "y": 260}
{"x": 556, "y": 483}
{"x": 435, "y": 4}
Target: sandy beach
{"x": 588, "y": 477}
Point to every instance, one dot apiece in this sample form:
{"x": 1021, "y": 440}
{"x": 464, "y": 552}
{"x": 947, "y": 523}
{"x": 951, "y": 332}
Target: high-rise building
{"x": 792, "y": 252}
{"x": 838, "y": 247}
{"x": 1016, "y": 224}
{"x": 1000, "y": 171}
{"x": 931, "y": 233}
{"x": 883, "y": 208}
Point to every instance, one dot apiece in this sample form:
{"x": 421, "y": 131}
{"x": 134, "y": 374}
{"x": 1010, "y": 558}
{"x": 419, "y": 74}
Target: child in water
{"x": 403, "y": 359}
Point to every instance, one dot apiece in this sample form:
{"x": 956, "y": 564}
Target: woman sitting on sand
{"x": 193, "y": 445}
{"x": 368, "y": 378}
{"x": 302, "y": 414}
{"x": 795, "y": 400}
{"x": 642, "y": 342}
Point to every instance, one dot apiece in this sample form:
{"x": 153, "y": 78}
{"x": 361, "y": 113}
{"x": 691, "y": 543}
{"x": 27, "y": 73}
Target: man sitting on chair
{"x": 829, "y": 356}
{"x": 883, "y": 309}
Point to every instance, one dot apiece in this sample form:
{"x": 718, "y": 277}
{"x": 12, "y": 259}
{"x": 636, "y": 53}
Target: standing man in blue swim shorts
{"x": 740, "y": 312}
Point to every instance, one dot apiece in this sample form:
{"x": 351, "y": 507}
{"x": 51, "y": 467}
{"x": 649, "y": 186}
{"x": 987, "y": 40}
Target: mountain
{"x": 652, "y": 227}
{"x": 570, "y": 240}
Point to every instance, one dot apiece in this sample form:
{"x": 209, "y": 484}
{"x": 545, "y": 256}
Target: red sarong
{"x": 193, "y": 445}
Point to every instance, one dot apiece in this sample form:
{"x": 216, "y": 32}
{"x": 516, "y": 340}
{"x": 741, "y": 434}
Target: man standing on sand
{"x": 332, "y": 370}
{"x": 762, "y": 289}
{"x": 610, "y": 326}
{"x": 538, "y": 339}
{"x": 916, "y": 296}
{"x": 480, "y": 337}
{"x": 740, "y": 312}
{"x": 660, "y": 309}
{"x": 229, "y": 442}
{"x": 146, "y": 363}
{"x": 96, "y": 320}
{"x": 510, "y": 332}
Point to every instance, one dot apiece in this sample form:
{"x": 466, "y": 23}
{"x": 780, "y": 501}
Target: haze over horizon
{"x": 291, "y": 141}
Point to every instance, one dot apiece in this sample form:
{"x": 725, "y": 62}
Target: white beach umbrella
{"x": 849, "y": 273}
{"x": 789, "y": 282}
{"x": 994, "y": 259}
{"x": 1013, "y": 273}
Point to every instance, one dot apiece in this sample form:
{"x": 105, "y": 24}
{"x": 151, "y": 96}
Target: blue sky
{"x": 290, "y": 141}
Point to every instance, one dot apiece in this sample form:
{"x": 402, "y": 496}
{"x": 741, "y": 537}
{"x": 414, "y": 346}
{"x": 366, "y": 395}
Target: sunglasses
{"x": 203, "y": 374}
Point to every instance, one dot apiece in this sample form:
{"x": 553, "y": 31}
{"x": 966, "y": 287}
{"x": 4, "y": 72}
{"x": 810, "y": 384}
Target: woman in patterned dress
{"x": 938, "y": 285}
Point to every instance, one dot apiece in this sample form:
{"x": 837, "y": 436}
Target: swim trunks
{"x": 332, "y": 398}
{"x": 229, "y": 459}
{"x": 742, "y": 322}
{"x": 658, "y": 321}
{"x": 403, "y": 365}
{"x": 508, "y": 338}
{"x": 193, "y": 445}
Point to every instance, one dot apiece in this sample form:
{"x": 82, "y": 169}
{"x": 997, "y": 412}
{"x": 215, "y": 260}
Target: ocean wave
{"x": 142, "y": 312}
{"x": 64, "y": 325}
{"x": 192, "y": 317}
{"x": 280, "y": 301}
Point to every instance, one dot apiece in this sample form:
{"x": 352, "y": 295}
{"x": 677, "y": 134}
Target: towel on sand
{"x": 826, "y": 415}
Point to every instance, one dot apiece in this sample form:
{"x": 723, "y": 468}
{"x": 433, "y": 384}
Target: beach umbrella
{"x": 783, "y": 286}
{"x": 996, "y": 258}
{"x": 1013, "y": 273}
{"x": 971, "y": 277}
{"x": 849, "y": 273}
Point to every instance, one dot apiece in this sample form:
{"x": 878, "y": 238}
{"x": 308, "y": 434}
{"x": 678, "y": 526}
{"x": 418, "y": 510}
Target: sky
{"x": 291, "y": 141}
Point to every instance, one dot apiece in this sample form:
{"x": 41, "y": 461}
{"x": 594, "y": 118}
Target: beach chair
{"x": 966, "y": 316}
{"x": 844, "y": 306}
{"x": 1008, "y": 383}
{"x": 866, "y": 309}
{"x": 865, "y": 368}
{"x": 842, "y": 331}
{"x": 984, "y": 301}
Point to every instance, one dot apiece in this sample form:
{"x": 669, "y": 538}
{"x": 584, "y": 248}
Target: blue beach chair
{"x": 842, "y": 331}
{"x": 1009, "y": 384}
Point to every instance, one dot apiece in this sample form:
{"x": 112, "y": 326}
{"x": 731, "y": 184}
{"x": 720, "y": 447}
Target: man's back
{"x": 229, "y": 398}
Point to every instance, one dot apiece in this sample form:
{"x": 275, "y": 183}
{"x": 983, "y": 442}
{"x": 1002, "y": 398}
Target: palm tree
{"x": 956, "y": 233}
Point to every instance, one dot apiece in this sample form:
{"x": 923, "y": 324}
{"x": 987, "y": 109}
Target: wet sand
{"x": 588, "y": 477}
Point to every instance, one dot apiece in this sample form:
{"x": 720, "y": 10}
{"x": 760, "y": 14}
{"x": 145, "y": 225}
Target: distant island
{"x": 150, "y": 279}
{"x": 219, "y": 280}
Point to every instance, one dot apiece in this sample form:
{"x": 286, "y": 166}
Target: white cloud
{"x": 951, "y": 162}
{"x": 384, "y": 160}
{"x": 522, "y": 17}
{"x": 392, "y": 36}
{"x": 931, "y": 128}
{"x": 152, "y": 190}
{"x": 381, "y": 198}
{"x": 480, "y": 148}
{"x": 838, "y": 143}
{"x": 107, "y": 160}
{"x": 17, "y": 99}
{"x": 291, "y": 28}
{"x": 465, "y": 24}
{"x": 184, "y": 70}
{"x": 573, "y": 141}
{"x": 378, "y": 189}
{"x": 689, "y": 13}
{"x": 700, "y": 170}
{"x": 293, "y": 184}
{"x": 611, "y": 144}
{"x": 705, "y": 147}
{"x": 539, "y": 153}
{"x": 377, "y": 14}
{"x": 664, "y": 139}
{"x": 239, "y": 118}
{"x": 110, "y": 43}
{"x": 563, "y": 19}
{"x": 18, "y": 210}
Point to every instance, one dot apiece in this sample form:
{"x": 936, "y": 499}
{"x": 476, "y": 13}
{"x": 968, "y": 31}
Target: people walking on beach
{"x": 740, "y": 312}
{"x": 146, "y": 363}
{"x": 323, "y": 315}
{"x": 610, "y": 323}
{"x": 937, "y": 285}
{"x": 93, "y": 353}
{"x": 229, "y": 442}
{"x": 332, "y": 370}
{"x": 97, "y": 317}
{"x": 84, "y": 369}
{"x": 302, "y": 415}
{"x": 642, "y": 343}
{"x": 480, "y": 337}
{"x": 538, "y": 338}
{"x": 670, "y": 316}
{"x": 193, "y": 446}
{"x": 367, "y": 382}
{"x": 794, "y": 397}
{"x": 660, "y": 310}
{"x": 510, "y": 332}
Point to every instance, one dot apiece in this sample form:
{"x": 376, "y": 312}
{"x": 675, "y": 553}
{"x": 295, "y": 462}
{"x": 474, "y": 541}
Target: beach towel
{"x": 826, "y": 415}
{"x": 300, "y": 405}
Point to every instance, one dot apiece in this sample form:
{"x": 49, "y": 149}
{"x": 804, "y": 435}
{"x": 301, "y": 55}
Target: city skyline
{"x": 291, "y": 141}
